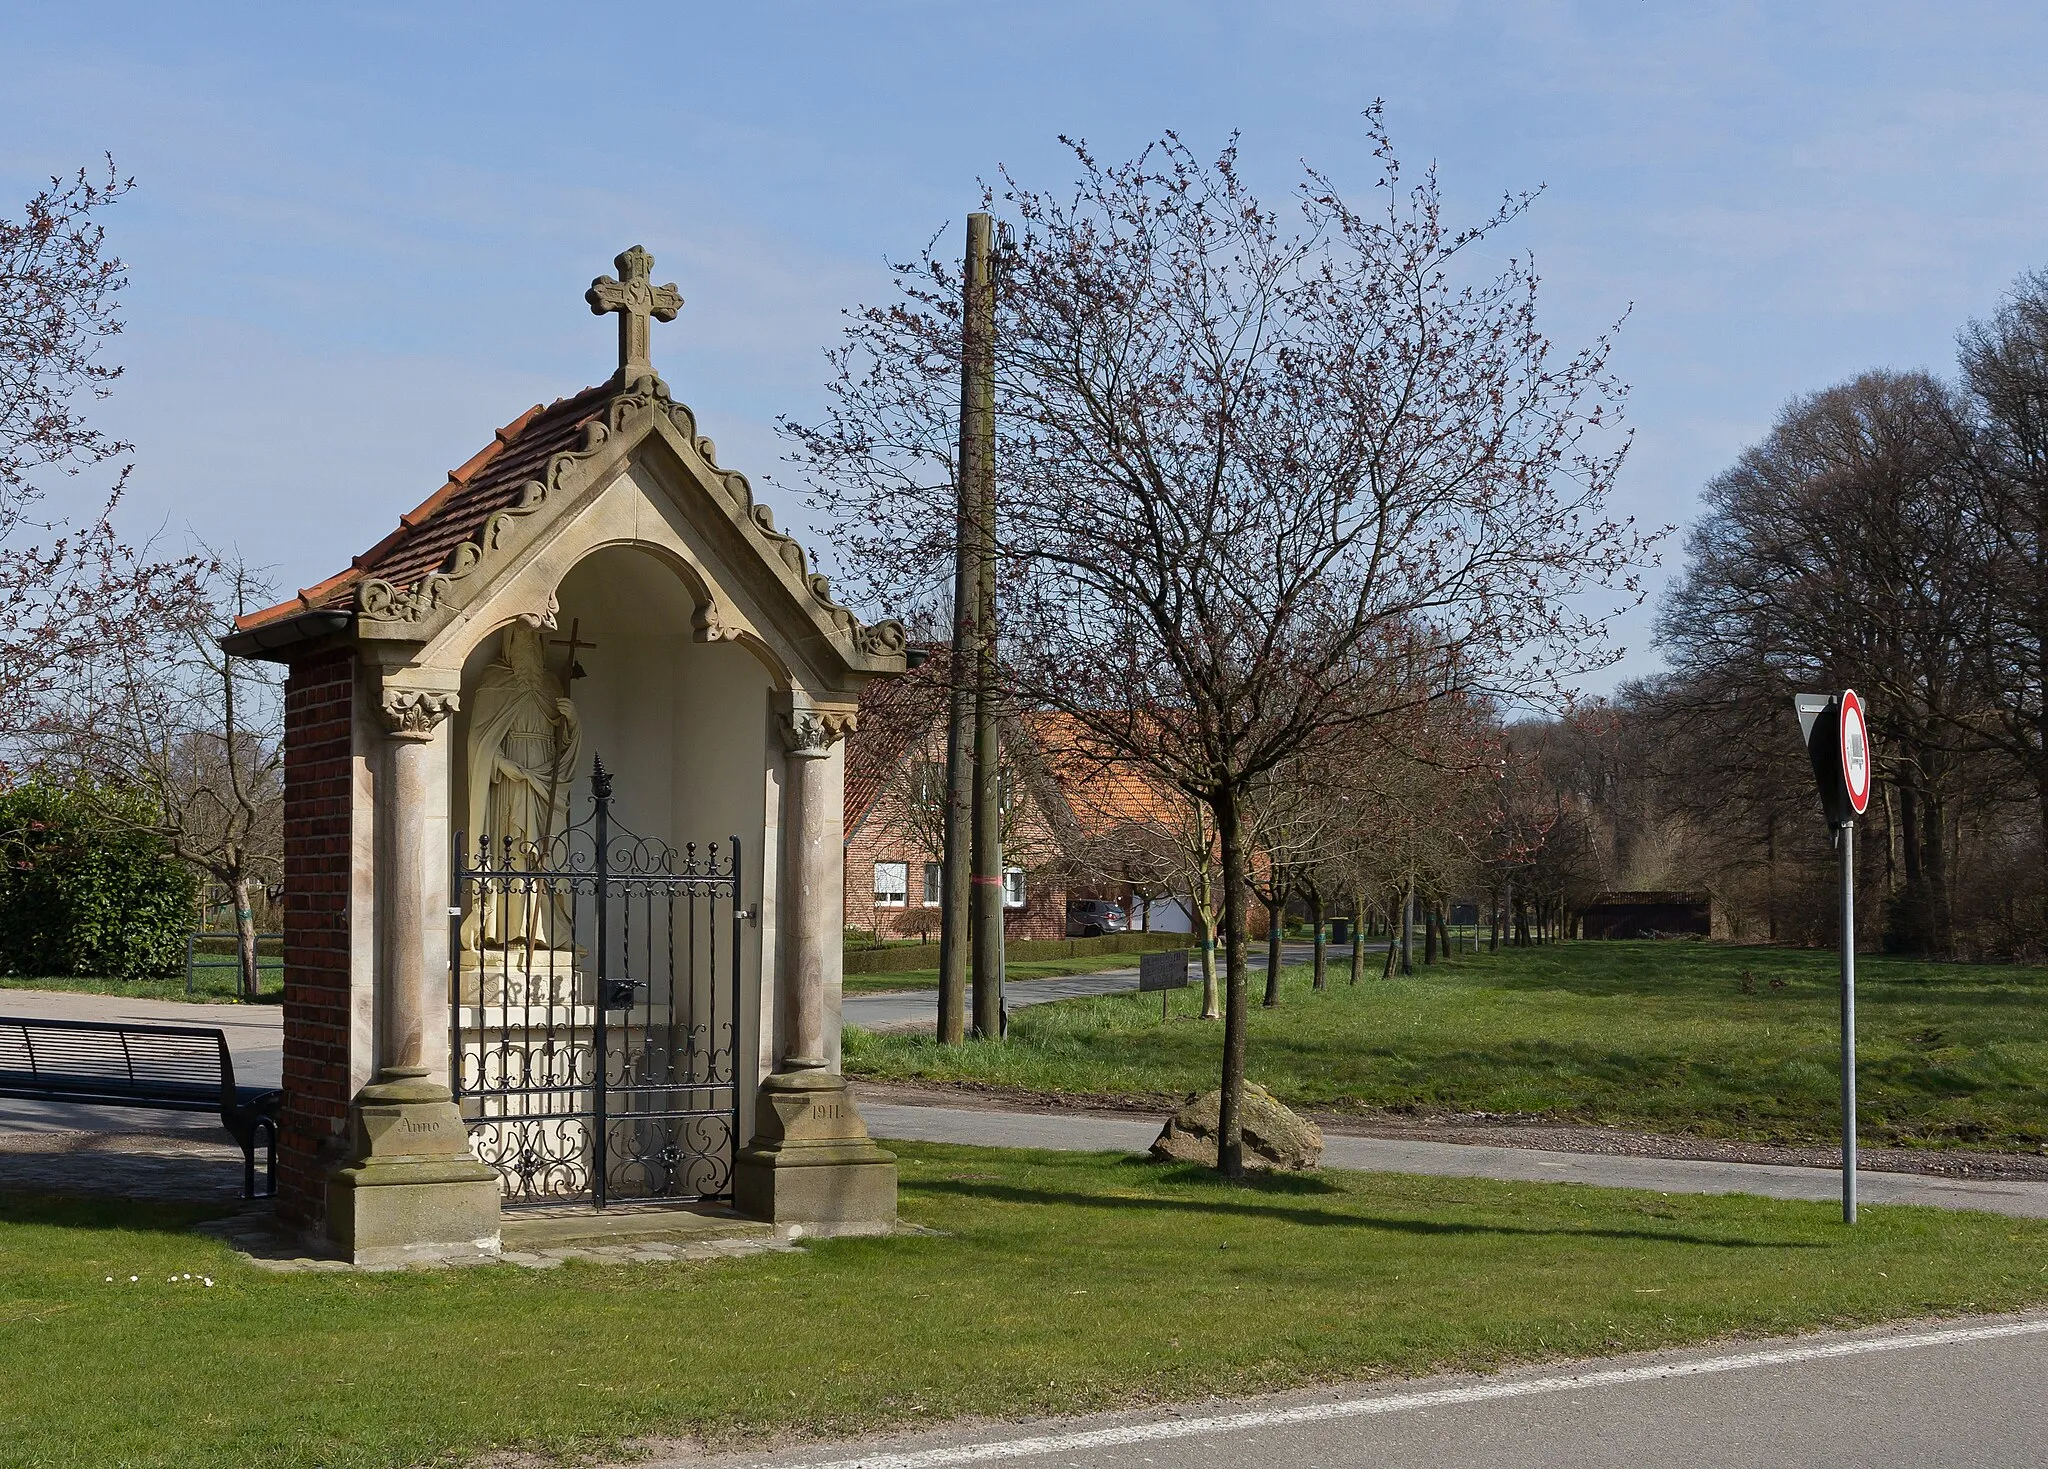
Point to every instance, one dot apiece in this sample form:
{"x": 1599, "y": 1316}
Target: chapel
{"x": 564, "y": 770}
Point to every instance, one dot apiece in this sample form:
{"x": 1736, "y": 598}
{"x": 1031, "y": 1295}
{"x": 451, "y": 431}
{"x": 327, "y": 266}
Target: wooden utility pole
{"x": 978, "y": 469}
{"x": 963, "y": 674}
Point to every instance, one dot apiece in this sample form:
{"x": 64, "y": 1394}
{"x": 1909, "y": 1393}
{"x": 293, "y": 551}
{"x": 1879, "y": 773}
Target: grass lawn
{"x": 928, "y": 979}
{"x": 1068, "y": 1282}
{"x": 209, "y": 986}
{"x": 1660, "y": 1036}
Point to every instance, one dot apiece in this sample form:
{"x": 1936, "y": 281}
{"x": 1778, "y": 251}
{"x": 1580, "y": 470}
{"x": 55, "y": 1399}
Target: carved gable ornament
{"x": 450, "y": 551}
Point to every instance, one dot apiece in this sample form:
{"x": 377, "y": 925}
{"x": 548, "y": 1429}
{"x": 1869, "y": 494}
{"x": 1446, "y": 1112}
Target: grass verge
{"x": 1070, "y": 1282}
{"x": 209, "y": 986}
{"x": 1687, "y": 1038}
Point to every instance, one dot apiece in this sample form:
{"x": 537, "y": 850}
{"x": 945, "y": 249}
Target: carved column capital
{"x": 415, "y": 714}
{"x": 810, "y": 734}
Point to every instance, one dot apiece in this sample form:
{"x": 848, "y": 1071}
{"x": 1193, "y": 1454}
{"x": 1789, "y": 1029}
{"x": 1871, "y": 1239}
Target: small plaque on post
{"x": 1165, "y": 972}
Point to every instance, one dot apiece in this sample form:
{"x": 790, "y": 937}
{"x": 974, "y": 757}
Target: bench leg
{"x": 268, "y": 1130}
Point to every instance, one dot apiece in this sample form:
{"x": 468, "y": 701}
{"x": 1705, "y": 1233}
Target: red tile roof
{"x": 895, "y": 714}
{"x": 1103, "y": 791}
{"x": 427, "y": 536}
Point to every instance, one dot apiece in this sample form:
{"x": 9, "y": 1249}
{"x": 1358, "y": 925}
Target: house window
{"x": 934, "y": 883}
{"x": 890, "y": 883}
{"x": 1013, "y": 887}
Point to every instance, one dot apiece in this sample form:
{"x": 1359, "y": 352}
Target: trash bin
{"x": 1340, "y": 930}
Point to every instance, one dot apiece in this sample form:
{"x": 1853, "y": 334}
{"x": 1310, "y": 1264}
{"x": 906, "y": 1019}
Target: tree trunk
{"x": 1205, "y": 915}
{"x": 245, "y": 939}
{"x": 2041, "y": 799}
{"x": 1408, "y": 927}
{"x": 1230, "y": 1111}
{"x": 1275, "y": 922}
{"x": 1357, "y": 936}
{"x": 1771, "y": 877}
{"x": 1429, "y": 933}
{"x": 1315, "y": 914}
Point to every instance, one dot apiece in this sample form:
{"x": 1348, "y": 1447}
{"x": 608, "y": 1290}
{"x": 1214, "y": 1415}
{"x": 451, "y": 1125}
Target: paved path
{"x": 919, "y": 1009}
{"x": 1084, "y": 1132}
{"x": 1961, "y": 1395}
{"x": 255, "y": 1040}
{"x": 914, "y": 1009}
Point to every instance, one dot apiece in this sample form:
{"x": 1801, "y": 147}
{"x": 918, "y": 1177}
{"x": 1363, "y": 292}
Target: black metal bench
{"x": 168, "y": 1068}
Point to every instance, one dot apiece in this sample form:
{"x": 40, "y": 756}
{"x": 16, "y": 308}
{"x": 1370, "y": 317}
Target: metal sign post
{"x": 1838, "y": 743}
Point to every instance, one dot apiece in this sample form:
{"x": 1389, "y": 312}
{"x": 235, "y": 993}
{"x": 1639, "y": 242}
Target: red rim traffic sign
{"x": 1855, "y": 751}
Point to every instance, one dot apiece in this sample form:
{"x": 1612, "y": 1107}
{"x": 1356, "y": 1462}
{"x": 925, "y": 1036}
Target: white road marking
{"x": 1141, "y": 1433}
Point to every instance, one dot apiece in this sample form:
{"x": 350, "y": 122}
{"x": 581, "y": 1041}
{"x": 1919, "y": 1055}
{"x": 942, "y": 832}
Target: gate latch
{"x": 619, "y": 993}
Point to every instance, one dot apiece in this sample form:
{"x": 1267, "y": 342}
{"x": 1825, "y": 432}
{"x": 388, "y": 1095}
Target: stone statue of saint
{"x": 523, "y": 741}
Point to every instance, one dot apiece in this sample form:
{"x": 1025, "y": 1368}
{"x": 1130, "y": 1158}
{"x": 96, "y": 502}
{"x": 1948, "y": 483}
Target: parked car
{"x": 1089, "y": 918}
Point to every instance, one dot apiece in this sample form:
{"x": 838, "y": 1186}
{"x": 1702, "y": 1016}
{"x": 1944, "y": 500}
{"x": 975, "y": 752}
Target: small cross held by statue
{"x": 572, "y": 643}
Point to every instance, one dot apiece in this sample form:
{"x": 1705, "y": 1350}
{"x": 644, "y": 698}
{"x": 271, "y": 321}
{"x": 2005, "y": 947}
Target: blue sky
{"x": 362, "y": 232}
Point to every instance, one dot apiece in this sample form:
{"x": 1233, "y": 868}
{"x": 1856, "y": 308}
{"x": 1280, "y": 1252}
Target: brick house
{"x": 1074, "y": 824}
{"x": 895, "y": 816}
{"x": 1127, "y": 834}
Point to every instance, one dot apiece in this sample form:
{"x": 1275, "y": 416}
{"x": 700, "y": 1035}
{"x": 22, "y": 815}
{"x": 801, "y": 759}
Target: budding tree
{"x": 68, "y": 584}
{"x": 163, "y": 713}
{"x": 1249, "y": 460}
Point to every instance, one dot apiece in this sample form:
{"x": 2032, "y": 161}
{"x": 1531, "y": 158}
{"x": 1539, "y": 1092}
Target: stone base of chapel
{"x": 812, "y": 1161}
{"x": 413, "y": 1190}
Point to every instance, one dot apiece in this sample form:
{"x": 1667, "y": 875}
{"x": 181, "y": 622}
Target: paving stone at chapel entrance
{"x": 151, "y": 1167}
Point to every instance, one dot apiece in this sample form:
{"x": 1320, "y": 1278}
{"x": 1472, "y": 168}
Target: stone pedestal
{"x": 413, "y": 1190}
{"x": 811, "y": 1160}
{"x": 512, "y": 978}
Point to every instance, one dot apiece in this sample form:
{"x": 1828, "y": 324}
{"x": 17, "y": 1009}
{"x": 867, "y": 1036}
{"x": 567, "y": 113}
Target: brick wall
{"x": 319, "y": 700}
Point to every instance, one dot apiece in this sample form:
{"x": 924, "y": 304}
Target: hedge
{"x": 907, "y": 957}
{"x": 78, "y": 898}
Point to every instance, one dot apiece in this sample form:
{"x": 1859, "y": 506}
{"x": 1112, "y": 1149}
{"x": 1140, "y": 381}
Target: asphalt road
{"x": 912, "y": 1009}
{"x": 1956, "y": 1395}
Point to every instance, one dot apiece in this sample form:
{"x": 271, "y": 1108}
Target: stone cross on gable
{"x": 636, "y": 299}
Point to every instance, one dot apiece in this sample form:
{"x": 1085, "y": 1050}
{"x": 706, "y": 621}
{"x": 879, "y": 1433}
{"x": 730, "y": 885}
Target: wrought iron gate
{"x": 594, "y": 1011}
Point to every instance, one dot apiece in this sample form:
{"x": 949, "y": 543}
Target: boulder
{"x": 1273, "y": 1136}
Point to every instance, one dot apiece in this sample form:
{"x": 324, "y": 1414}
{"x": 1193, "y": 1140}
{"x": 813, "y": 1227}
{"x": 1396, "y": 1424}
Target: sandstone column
{"x": 811, "y": 1160}
{"x": 415, "y": 719}
{"x": 412, "y": 1188}
{"x": 816, "y": 888}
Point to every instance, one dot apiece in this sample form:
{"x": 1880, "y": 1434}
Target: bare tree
{"x": 1286, "y": 827}
{"x": 1832, "y": 555}
{"x": 2005, "y": 366}
{"x": 68, "y": 584}
{"x": 1243, "y": 467}
{"x": 1153, "y": 839}
{"x": 165, "y": 713}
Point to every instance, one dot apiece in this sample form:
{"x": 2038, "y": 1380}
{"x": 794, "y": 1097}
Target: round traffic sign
{"x": 1855, "y": 751}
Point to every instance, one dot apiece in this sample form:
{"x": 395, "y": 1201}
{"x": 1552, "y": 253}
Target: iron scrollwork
{"x": 595, "y": 1011}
